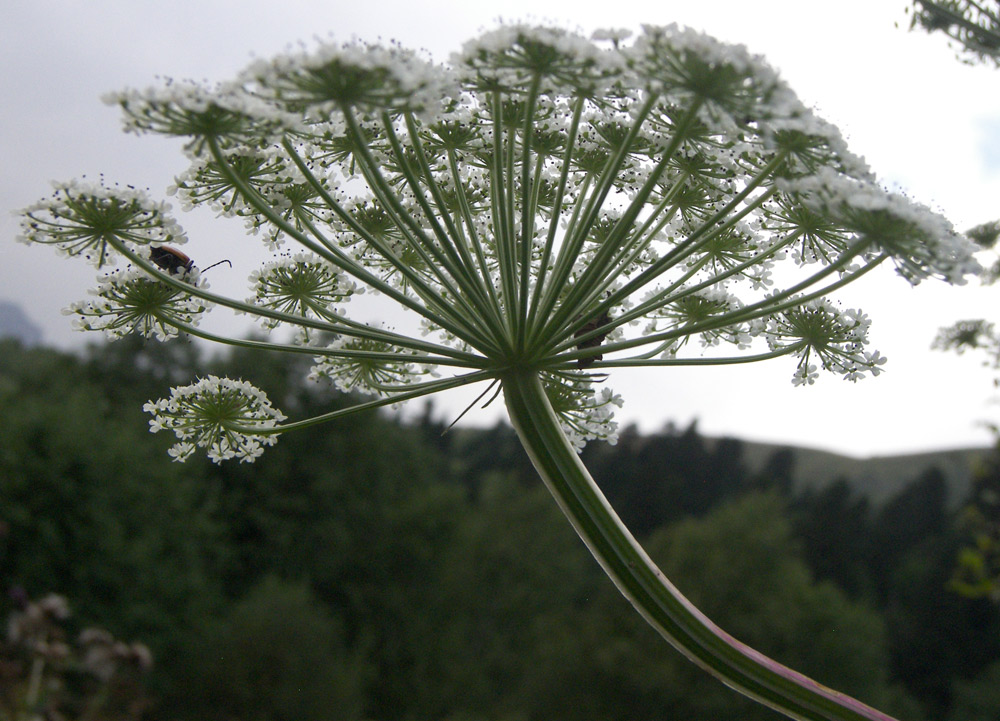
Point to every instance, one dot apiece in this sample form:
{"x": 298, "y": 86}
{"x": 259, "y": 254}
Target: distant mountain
{"x": 878, "y": 477}
{"x": 14, "y": 323}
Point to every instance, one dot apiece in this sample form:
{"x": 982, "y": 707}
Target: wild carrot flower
{"x": 547, "y": 208}
{"x": 220, "y": 414}
{"x": 88, "y": 219}
{"x": 129, "y": 301}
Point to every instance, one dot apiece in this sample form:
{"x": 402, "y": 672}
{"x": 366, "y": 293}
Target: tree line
{"x": 381, "y": 570}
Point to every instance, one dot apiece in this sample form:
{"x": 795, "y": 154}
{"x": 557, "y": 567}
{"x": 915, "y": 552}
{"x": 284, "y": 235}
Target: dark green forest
{"x": 380, "y": 570}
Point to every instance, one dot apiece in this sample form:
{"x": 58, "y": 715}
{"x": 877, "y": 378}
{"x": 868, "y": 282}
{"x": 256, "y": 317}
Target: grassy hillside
{"x": 879, "y": 477}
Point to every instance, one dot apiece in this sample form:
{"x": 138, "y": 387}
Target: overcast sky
{"x": 927, "y": 124}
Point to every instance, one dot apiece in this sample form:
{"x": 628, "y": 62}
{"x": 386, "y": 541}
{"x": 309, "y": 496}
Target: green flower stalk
{"x": 546, "y": 208}
{"x": 974, "y": 26}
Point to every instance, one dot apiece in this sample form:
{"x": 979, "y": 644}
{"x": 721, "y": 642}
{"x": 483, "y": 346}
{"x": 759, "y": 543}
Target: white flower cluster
{"x": 585, "y": 412}
{"x": 818, "y": 330}
{"x": 923, "y": 243}
{"x": 687, "y": 65}
{"x": 813, "y": 140}
{"x": 547, "y": 202}
{"x": 368, "y": 366}
{"x": 515, "y": 56}
{"x": 691, "y": 315}
{"x": 683, "y": 41}
{"x": 128, "y": 301}
{"x": 331, "y": 77}
{"x": 205, "y": 183}
{"x": 80, "y": 218}
{"x": 229, "y": 418}
{"x": 303, "y": 285}
{"x": 187, "y": 109}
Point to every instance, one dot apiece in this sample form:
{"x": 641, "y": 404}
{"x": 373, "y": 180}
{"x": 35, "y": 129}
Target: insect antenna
{"x": 215, "y": 264}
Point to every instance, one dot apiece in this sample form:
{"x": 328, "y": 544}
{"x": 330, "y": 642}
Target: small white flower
{"x": 805, "y": 375}
{"x": 369, "y": 366}
{"x": 584, "y": 412}
{"x": 179, "y": 451}
{"x": 83, "y": 219}
{"x": 129, "y": 301}
{"x": 303, "y": 285}
{"x": 615, "y": 35}
{"x": 231, "y": 419}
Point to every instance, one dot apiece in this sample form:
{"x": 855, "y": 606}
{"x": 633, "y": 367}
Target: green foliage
{"x": 978, "y": 699}
{"x": 654, "y": 480}
{"x": 978, "y": 567}
{"x": 936, "y": 636}
{"x": 834, "y": 527}
{"x": 741, "y": 567}
{"x": 722, "y": 562}
{"x": 89, "y": 507}
{"x": 914, "y": 515}
{"x": 277, "y": 655}
{"x": 975, "y": 26}
{"x": 505, "y": 603}
{"x": 363, "y": 571}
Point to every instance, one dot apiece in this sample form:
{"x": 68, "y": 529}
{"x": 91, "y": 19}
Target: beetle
{"x": 175, "y": 262}
{"x": 594, "y": 342}
{"x": 171, "y": 260}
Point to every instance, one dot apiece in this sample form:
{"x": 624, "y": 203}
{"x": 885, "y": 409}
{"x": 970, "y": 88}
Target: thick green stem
{"x": 645, "y": 586}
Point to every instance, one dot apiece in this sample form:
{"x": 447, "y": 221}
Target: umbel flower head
{"x": 546, "y": 208}
{"x": 544, "y": 204}
{"x": 225, "y": 416}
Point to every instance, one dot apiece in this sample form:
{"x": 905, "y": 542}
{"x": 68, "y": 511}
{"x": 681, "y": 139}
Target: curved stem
{"x": 645, "y": 586}
{"x": 557, "y": 208}
{"x": 644, "y": 362}
{"x": 328, "y": 251}
{"x": 425, "y": 389}
{"x": 776, "y": 303}
{"x": 317, "y": 351}
{"x": 341, "y": 326}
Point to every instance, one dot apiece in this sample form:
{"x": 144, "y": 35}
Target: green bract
{"x": 546, "y": 208}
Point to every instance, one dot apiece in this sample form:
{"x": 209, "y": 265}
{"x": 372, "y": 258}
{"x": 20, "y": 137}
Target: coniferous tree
{"x": 914, "y": 516}
{"x": 833, "y": 524}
